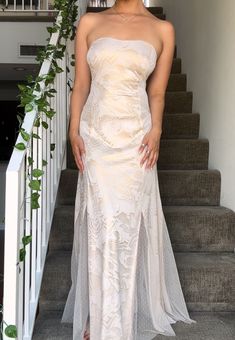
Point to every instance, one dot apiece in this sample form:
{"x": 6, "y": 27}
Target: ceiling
{"x": 7, "y": 71}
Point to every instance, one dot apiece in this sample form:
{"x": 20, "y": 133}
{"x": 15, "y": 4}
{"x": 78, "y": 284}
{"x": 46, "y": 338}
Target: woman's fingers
{"x": 78, "y": 148}
{"x": 78, "y": 158}
{"x": 150, "y": 155}
{"x": 78, "y": 161}
{"x": 146, "y": 155}
{"x": 153, "y": 157}
{"x": 143, "y": 144}
{"x": 149, "y": 163}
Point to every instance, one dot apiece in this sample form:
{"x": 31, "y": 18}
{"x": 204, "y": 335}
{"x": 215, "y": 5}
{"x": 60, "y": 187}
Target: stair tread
{"x": 177, "y": 187}
{"x": 58, "y": 260}
{"x": 185, "y": 140}
{"x": 210, "y": 325}
{"x": 191, "y": 228}
{"x": 175, "y": 153}
{"x": 191, "y": 209}
{"x": 176, "y": 66}
{"x": 220, "y": 260}
{"x": 206, "y": 278}
{"x": 180, "y": 171}
{"x": 177, "y": 82}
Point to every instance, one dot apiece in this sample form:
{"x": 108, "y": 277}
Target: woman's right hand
{"x": 78, "y": 149}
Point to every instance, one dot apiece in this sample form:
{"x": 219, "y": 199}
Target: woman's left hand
{"x": 151, "y": 147}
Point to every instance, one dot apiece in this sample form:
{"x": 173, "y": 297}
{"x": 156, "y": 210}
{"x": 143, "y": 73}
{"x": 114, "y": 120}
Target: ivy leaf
{"x": 36, "y": 136}
{"x": 37, "y": 173}
{"x": 30, "y": 160}
{"x": 11, "y": 331}
{"x": 26, "y": 239}
{"x": 37, "y": 87}
{"x": 44, "y": 163}
{"x": 50, "y": 95}
{"x": 52, "y": 146}
{"x": 22, "y": 87}
{"x": 20, "y": 146}
{"x": 19, "y": 118}
{"x": 35, "y": 195}
{"x": 22, "y": 254}
{"x": 28, "y": 107}
{"x": 51, "y": 29}
{"x": 35, "y": 184}
{"x": 24, "y": 135}
{"x": 37, "y": 122}
{"x": 34, "y": 200}
{"x": 29, "y": 78}
{"x": 59, "y": 69}
{"x": 50, "y": 113}
{"x": 45, "y": 125}
{"x": 52, "y": 91}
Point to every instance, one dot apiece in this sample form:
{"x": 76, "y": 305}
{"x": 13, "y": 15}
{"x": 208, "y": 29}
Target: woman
{"x": 125, "y": 283}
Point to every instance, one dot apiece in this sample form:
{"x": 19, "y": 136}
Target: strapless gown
{"x": 123, "y": 270}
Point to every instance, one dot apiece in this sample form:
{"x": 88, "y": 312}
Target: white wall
{"x": 13, "y": 33}
{"x": 205, "y": 37}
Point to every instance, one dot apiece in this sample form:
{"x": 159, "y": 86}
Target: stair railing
{"x": 22, "y": 279}
{"x": 28, "y": 5}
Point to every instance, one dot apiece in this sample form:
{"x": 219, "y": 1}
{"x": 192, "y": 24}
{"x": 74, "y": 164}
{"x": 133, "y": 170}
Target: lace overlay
{"x": 123, "y": 269}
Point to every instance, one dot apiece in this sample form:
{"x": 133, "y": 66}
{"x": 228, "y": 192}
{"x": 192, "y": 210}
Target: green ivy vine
{"x": 29, "y": 101}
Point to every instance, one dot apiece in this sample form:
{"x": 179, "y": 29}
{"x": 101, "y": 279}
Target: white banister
{"x": 28, "y": 6}
{"x": 22, "y": 280}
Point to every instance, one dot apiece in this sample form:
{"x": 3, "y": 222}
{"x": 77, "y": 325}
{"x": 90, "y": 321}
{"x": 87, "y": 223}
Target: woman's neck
{"x": 129, "y": 6}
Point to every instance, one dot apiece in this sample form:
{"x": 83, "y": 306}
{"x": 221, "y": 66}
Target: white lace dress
{"x": 123, "y": 270}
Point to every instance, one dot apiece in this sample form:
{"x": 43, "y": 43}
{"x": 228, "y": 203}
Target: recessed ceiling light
{"x": 19, "y": 68}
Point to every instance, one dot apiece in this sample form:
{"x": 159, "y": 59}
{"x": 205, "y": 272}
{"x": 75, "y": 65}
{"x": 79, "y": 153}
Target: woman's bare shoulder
{"x": 166, "y": 27}
{"x": 87, "y": 19}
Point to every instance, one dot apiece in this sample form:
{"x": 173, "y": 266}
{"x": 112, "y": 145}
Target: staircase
{"x": 201, "y": 230}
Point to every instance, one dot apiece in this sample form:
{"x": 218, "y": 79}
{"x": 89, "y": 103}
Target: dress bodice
{"x": 121, "y": 65}
{"x": 117, "y": 108}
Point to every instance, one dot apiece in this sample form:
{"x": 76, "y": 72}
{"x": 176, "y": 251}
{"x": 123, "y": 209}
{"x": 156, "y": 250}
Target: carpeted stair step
{"x": 189, "y": 187}
{"x": 191, "y": 228}
{"x": 175, "y": 154}
{"x": 178, "y": 102}
{"x": 177, "y": 187}
{"x": 177, "y": 126}
{"x": 155, "y": 10}
{"x": 62, "y": 229}
{"x": 176, "y": 66}
{"x": 209, "y": 326}
{"x": 183, "y": 154}
{"x": 207, "y": 280}
{"x": 200, "y": 228}
{"x": 177, "y": 82}
{"x": 180, "y": 125}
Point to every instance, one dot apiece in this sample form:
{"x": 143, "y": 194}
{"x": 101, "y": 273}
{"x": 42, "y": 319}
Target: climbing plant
{"x": 33, "y": 97}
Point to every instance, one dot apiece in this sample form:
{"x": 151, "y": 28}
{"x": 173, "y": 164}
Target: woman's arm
{"x": 156, "y": 89}
{"x": 80, "y": 89}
